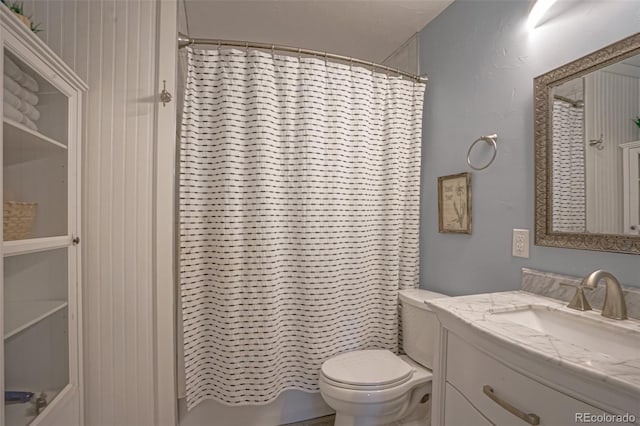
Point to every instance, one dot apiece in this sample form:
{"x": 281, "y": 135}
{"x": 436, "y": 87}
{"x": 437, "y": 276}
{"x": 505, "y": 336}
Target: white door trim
{"x": 164, "y": 245}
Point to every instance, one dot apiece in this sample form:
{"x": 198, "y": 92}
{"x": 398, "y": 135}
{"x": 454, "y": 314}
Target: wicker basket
{"x": 17, "y": 219}
{"x": 26, "y": 21}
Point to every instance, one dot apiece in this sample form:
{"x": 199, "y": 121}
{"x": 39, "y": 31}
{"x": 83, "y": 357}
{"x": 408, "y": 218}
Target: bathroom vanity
{"x": 516, "y": 358}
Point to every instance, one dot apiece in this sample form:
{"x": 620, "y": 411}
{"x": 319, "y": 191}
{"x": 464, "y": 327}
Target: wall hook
{"x": 598, "y": 143}
{"x": 165, "y": 96}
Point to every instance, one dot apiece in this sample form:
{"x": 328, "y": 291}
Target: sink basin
{"x": 579, "y": 329}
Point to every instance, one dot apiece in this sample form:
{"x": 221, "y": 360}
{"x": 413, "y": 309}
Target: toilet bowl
{"x": 378, "y": 388}
{"x": 393, "y": 387}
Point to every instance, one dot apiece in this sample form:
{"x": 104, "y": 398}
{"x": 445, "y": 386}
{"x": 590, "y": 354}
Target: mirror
{"x": 587, "y": 143}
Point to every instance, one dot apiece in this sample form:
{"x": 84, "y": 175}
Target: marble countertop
{"x": 480, "y": 313}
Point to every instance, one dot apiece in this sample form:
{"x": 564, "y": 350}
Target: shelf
{"x": 630, "y": 145}
{"x": 33, "y": 245}
{"x": 19, "y": 316}
{"x": 19, "y": 140}
{"x": 23, "y": 414}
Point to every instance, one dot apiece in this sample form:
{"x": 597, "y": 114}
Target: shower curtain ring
{"x": 299, "y": 53}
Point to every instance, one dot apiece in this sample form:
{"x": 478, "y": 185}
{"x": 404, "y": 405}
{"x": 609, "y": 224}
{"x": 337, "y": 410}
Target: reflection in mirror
{"x": 595, "y": 149}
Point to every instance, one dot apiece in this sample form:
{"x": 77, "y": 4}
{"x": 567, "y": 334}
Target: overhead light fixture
{"x": 537, "y": 11}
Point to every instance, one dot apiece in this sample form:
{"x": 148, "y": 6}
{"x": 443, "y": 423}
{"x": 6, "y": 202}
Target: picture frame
{"x": 454, "y": 204}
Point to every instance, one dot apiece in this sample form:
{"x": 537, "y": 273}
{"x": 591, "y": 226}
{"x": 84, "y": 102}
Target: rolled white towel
{"x": 29, "y": 97}
{"x": 12, "y": 113}
{"x": 24, "y": 107}
{"x": 30, "y": 124}
{"x": 12, "y": 99}
{"x": 31, "y": 83}
{"x": 15, "y": 115}
{"x": 12, "y": 86}
{"x": 29, "y": 111}
{"x": 14, "y": 71}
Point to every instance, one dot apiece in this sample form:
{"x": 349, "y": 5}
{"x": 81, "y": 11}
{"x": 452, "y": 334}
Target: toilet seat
{"x": 369, "y": 388}
{"x": 375, "y": 369}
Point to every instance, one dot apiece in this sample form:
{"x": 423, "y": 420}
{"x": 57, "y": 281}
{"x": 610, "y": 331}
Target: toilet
{"x": 377, "y": 387}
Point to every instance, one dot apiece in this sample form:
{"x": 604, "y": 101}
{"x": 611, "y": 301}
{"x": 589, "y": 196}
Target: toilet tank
{"x": 419, "y": 325}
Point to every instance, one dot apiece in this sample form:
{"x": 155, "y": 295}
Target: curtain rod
{"x": 184, "y": 41}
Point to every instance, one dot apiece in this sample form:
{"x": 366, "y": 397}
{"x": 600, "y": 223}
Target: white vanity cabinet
{"x": 41, "y": 314}
{"x": 489, "y": 385}
{"x": 481, "y": 381}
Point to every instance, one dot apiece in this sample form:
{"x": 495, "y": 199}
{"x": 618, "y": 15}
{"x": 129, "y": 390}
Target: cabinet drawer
{"x": 458, "y": 411}
{"x": 479, "y": 378}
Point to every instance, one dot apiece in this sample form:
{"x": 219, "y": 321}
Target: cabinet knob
{"x": 633, "y": 227}
{"x": 76, "y": 241}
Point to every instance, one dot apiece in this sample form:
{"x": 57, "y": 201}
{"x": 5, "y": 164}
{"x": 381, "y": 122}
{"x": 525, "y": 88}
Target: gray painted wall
{"x": 481, "y": 61}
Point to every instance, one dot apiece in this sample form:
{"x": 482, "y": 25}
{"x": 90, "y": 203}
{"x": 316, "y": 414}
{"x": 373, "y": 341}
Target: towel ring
{"x": 491, "y": 140}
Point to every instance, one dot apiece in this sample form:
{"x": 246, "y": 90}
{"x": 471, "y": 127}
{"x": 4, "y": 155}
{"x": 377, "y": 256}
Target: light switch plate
{"x": 520, "y": 246}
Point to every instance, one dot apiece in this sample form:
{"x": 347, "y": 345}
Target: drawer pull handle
{"x": 532, "y": 419}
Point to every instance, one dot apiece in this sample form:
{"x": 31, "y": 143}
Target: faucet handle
{"x": 579, "y": 300}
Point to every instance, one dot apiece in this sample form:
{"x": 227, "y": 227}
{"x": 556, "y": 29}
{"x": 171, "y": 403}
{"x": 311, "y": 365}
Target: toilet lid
{"x": 367, "y": 368}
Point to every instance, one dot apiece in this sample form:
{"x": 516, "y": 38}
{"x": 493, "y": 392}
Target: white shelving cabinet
{"x": 631, "y": 187}
{"x": 41, "y": 291}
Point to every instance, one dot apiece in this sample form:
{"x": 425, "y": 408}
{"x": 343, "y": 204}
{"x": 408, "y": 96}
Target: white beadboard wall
{"x": 611, "y": 102}
{"x": 112, "y": 46}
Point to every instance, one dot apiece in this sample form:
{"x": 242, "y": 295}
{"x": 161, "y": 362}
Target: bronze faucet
{"x": 614, "y": 305}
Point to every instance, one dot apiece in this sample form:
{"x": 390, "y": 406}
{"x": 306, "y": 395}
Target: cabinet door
{"x": 459, "y": 412}
{"x": 40, "y": 314}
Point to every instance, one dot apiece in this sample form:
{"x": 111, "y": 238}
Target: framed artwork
{"x": 454, "y": 204}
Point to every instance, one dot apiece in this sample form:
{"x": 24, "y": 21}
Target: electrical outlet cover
{"x": 520, "y": 245}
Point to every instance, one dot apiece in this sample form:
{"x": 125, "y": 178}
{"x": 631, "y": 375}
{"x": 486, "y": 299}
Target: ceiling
{"x": 365, "y": 29}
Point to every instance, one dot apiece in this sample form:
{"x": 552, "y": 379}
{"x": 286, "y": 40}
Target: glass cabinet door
{"x": 36, "y": 333}
{"x": 37, "y": 245}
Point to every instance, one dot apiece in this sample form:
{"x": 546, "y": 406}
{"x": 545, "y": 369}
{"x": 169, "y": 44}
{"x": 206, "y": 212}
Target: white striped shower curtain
{"x": 569, "y": 202}
{"x": 298, "y": 204}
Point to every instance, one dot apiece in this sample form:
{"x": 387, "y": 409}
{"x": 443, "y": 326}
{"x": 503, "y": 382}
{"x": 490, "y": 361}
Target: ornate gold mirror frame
{"x": 544, "y": 234}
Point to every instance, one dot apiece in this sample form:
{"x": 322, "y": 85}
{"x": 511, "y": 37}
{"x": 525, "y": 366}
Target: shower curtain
{"x": 569, "y": 186}
{"x": 298, "y": 204}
